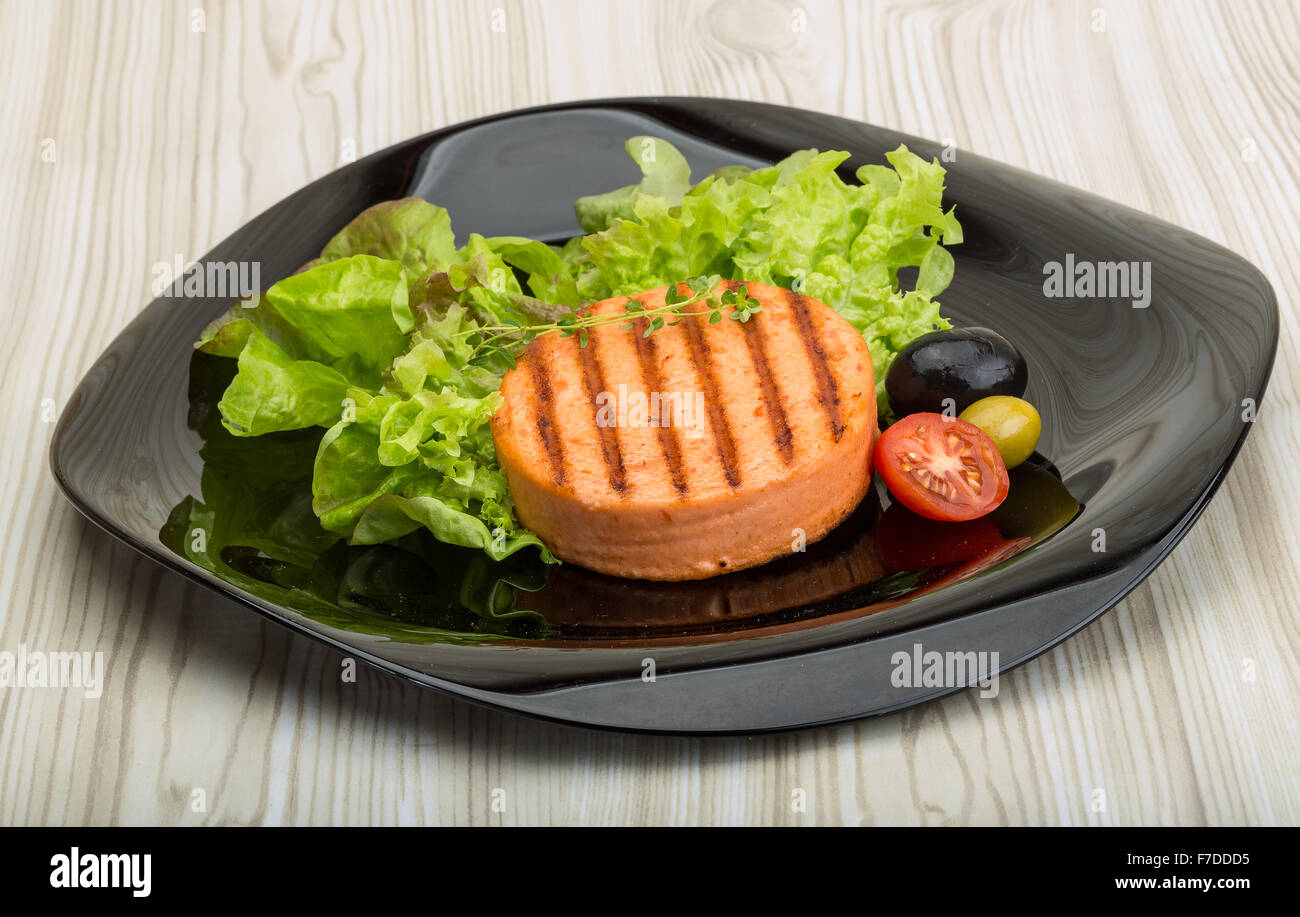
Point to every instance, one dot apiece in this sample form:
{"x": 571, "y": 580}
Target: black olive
{"x": 964, "y": 364}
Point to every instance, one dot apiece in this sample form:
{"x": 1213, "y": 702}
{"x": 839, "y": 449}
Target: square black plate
{"x": 1143, "y": 414}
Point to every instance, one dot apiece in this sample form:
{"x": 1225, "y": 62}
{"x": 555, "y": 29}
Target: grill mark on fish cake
{"x": 755, "y": 331}
{"x": 648, "y": 354}
{"x": 593, "y": 376}
{"x": 702, "y": 356}
{"x": 827, "y": 390}
{"x": 546, "y": 427}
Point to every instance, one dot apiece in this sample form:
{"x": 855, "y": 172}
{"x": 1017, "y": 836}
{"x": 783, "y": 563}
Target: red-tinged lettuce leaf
{"x": 410, "y": 231}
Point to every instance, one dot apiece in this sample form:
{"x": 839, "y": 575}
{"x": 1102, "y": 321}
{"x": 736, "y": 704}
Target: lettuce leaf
{"x": 352, "y": 314}
{"x": 410, "y": 231}
{"x": 308, "y": 339}
{"x": 551, "y": 276}
{"x": 665, "y": 174}
{"x": 273, "y": 392}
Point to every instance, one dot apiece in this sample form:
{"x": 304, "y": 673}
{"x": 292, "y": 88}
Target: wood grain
{"x": 165, "y": 139}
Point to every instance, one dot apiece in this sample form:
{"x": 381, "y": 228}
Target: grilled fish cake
{"x": 698, "y": 450}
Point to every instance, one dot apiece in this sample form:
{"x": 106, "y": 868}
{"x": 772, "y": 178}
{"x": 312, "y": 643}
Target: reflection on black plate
{"x": 1142, "y": 410}
{"x": 254, "y": 528}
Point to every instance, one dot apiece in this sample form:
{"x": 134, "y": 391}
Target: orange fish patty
{"x": 698, "y": 450}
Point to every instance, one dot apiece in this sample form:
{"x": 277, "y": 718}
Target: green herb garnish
{"x": 506, "y": 340}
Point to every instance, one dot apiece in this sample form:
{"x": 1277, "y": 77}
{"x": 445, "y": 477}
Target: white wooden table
{"x": 133, "y": 131}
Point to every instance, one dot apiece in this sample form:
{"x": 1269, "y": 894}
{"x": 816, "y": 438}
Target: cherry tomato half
{"x": 942, "y": 467}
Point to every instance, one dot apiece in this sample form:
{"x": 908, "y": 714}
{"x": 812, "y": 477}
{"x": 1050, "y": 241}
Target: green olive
{"x": 1012, "y": 424}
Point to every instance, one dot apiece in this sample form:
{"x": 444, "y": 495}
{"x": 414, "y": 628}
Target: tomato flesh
{"x": 942, "y": 467}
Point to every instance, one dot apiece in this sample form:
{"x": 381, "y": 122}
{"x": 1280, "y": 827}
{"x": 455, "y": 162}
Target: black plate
{"x": 1143, "y": 415}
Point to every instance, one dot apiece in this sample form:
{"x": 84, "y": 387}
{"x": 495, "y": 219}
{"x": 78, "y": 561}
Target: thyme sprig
{"x": 507, "y": 339}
